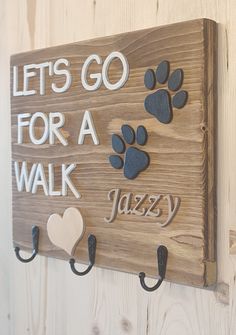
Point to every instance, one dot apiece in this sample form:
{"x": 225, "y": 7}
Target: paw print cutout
{"x": 161, "y": 103}
{"x": 134, "y": 160}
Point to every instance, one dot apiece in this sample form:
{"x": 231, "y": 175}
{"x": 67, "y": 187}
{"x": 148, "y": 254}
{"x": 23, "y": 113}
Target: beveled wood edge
{"x": 210, "y": 273}
{"x": 210, "y": 34}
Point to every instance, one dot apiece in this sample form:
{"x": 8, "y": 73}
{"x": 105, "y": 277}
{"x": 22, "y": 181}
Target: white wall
{"x": 44, "y": 297}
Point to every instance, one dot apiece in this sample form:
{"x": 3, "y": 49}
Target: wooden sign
{"x": 114, "y": 137}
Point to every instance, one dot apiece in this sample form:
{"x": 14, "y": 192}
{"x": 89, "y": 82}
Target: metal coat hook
{"x": 92, "y": 243}
{"x": 162, "y": 255}
{"x": 35, "y": 243}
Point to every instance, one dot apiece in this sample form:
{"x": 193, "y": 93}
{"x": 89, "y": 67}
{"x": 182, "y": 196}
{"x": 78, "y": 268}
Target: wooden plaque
{"x": 115, "y": 137}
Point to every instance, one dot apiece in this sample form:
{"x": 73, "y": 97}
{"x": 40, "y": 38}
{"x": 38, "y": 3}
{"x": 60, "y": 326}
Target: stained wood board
{"x": 181, "y": 153}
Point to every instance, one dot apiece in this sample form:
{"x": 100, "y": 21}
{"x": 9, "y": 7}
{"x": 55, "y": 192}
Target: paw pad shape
{"x": 135, "y": 160}
{"x": 160, "y": 103}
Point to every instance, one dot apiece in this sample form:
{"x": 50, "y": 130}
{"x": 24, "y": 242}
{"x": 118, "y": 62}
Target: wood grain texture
{"x": 181, "y": 153}
{"x": 35, "y": 299}
{"x": 232, "y": 242}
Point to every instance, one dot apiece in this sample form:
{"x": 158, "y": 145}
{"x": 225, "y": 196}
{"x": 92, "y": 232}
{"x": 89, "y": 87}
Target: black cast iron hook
{"x": 162, "y": 255}
{"x": 35, "y": 243}
{"x": 92, "y": 243}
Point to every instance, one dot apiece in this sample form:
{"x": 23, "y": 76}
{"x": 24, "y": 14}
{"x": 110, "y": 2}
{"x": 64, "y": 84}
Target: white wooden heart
{"x": 65, "y": 232}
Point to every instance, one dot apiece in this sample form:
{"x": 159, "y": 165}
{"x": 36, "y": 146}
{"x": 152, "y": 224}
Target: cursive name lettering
{"x": 130, "y": 204}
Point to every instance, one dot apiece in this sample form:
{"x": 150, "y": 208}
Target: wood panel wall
{"x": 44, "y": 297}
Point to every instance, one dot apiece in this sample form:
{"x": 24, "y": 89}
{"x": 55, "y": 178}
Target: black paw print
{"x": 135, "y": 160}
{"x": 160, "y": 102}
